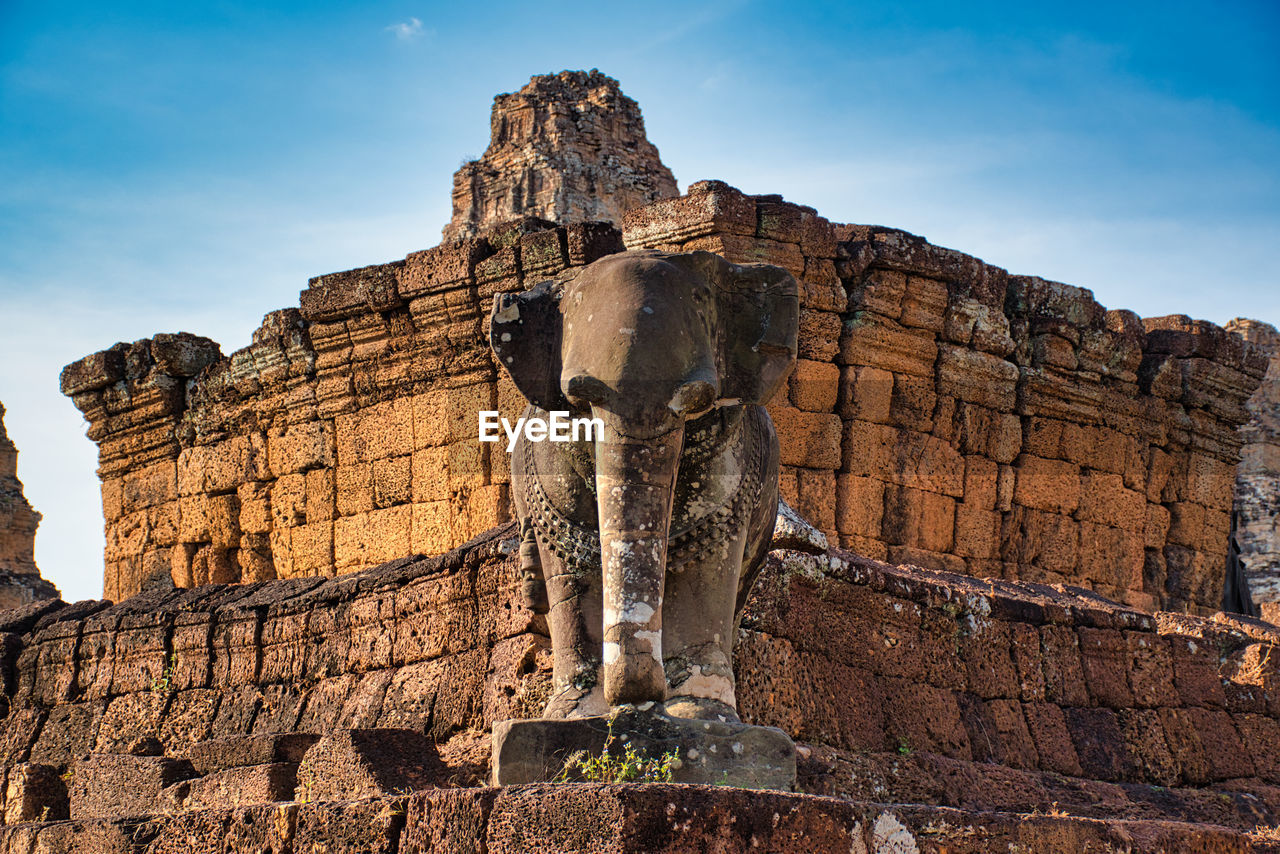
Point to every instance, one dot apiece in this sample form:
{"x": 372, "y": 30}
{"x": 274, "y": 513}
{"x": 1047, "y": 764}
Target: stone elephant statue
{"x": 642, "y": 544}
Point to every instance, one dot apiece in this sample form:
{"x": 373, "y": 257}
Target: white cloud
{"x": 407, "y": 30}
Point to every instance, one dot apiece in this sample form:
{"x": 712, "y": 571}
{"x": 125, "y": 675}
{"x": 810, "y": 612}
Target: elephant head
{"x": 646, "y": 342}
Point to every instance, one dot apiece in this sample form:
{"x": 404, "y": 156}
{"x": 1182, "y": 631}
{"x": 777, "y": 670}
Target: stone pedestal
{"x": 710, "y": 752}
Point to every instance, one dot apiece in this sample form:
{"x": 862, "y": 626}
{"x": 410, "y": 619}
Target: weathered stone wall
{"x": 899, "y": 684}
{"x": 20, "y": 580}
{"x": 1257, "y": 493}
{"x": 568, "y": 147}
{"x": 345, "y": 435}
{"x": 942, "y": 413}
{"x": 948, "y": 414}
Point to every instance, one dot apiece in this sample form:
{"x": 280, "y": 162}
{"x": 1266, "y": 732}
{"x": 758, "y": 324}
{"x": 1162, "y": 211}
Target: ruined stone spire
{"x": 567, "y": 147}
{"x": 20, "y": 580}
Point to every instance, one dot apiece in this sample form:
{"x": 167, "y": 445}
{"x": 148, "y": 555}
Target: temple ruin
{"x": 1011, "y": 638}
{"x": 20, "y": 581}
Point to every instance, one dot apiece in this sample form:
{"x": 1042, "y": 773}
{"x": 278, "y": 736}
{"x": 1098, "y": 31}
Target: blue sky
{"x": 170, "y": 166}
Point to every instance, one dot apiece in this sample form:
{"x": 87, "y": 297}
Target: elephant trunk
{"x": 635, "y": 480}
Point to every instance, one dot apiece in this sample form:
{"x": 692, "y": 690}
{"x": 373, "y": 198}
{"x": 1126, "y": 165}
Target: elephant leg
{"x": 574, "y": 618}
{"x": 698, "y": 633}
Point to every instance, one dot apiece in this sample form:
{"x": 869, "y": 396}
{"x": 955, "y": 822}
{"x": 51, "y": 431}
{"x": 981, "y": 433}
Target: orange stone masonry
{"x": 943, "y": 413}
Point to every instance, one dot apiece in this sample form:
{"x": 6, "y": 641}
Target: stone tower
{"x": 20, "y": 580}
{"x": 568, "y": 147}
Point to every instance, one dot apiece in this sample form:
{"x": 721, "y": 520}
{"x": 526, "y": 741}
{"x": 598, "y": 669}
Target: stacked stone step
{"x": 598, "y": 818}
{"x": 1014, "y": 694}
{"x": 947, "y": 414}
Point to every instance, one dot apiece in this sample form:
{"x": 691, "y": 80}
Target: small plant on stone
{"x": 904, "y": 746}
{"x": 630, "y": 766}
{"x": 1262, "y": 833}
{"x": 163, "y": 684}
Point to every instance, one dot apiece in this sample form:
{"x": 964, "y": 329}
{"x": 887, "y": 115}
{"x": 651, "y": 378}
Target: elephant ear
{"x": 759, "y": 309}
{"x": 525, "y": 330}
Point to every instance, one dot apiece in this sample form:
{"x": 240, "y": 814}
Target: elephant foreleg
{"x": 574, "y": 618}
{"x": 699, "y": 629}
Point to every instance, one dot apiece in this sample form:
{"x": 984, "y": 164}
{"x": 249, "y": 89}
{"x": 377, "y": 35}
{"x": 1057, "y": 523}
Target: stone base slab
{"x": 645, "y": 819}
{"x": 710, "y": 752}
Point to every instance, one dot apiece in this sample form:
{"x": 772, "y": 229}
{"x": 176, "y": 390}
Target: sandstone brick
{"x": 977, "y": 531}
{"x": 301, "y": 447}
{"x": 109, "y": 785}
{"x": 1195, "y": 672}
{"x": 391, "y": 481}
{"x": 313, "y": 548}
{"x": 223, "y": 466}
{"x": 1044, "y": 484}
{"x": 991, "y": 434}
{"x": 352, "y": 292}
{"x": 1111, "y": 555}
{"x": 865, "y": 545}
{"x": 814, "y": 386}
{"x": 881, "y": 292}
{"x": 1047, "y": 727}
{"x": 1042, "y": 541}
{"x": 867, "y": 449}
{"x": 1024, "y": 642}
{"x": 1186, "y": 524}
{"x": 879, "y": 345}
{"x": 976, "y": 377}
{"x": 354, "y": 488}
{"x": 987, "y": 649}
{"x": 816, "y": 497}
{"x": 741, "y": 249}
{"x": 431, "y": 526}
{"x": 922, "y": 717}
{"x": 914, "y": 517}
{"x": 321, "y": 503}
{"x": 1155, "y": 530}
{"x": 1223, "y": 750}
{"x": 1104, "y": 499}
{"x": 255, "y": 508}
{"x": 1185, "y": 746}
{"x": 924, "y": 304}
{"x": 807, "y": 439}
{"x": 1209, "y": 481}
{"x": 1099, "y": 743}
{"x": 980, "y": 482}
{"x": 859, "y": 505}
{"x": 370, "y": 538}
{"x": 240, "y": 787}
{"x": 1104, "y": 656}
{"x": 925, "y": 559}
{"x": 1146, "y": 747}
{"x": 820, "y": 335}
{"x": 926, "y": 462}
{"x": 213, "y": 565}
{"x": 148, "y": 486}
{"x": 375, "y": 432}
{"x": 1261, "y": 737}
{"x": 1064, "y": 679}
{"x": 866, "y": 393}
{"x": 913, "y": 401}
